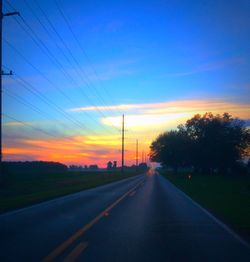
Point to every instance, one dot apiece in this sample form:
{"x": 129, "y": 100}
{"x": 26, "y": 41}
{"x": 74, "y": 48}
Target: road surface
{"x": 144, "y": 218}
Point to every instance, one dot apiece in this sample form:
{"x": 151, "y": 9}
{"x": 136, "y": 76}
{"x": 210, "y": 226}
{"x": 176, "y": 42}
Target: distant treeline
{"x": 33, "y": 166}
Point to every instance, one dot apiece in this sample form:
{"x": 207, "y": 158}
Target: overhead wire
{"x": 51, "y": 56}
{"x": 45, "y": 49}
{"x": 50, "y": 103}
{"x": 78, "y": 69}
{"x": 49, "y": 81}
{"x": 33, "y": 127}
{"x": 32, "y": 107}
{"x": 68, "y": 139}
{"x": 59, "y": 36}
{"x": 47, "y": 101}
{"x": 66, "y": 20}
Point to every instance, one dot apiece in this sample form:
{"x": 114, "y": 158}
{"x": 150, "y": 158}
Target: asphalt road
{"x": 144, "y": 218}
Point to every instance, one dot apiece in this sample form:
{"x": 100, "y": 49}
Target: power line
{"x": 80, "y": 46}
{"x": 39, "y": 42}
{"x": 69, "y": 140}
{"x": 49, "y": 81}
{"x": 48, "y": 53}
{"x": 79, "y": 69}
{"x": 61, "y": 39}
{"x": 33, "y": 127}
{"x": 33, "y": 107}
{"x": 47, "y": 101}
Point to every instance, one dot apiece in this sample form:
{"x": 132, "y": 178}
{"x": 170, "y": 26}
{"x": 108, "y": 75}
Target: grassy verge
{"x": 20, "y": 190}
{"x": 228, "y": 198}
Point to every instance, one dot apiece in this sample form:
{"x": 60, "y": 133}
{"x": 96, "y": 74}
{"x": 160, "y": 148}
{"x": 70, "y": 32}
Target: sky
{"x": 78, "y": 66}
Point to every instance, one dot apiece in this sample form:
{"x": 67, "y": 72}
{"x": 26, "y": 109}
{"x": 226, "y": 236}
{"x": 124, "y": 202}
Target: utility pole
{"x": 136, "y": 155}
{"x": 122, "y": 143}
{"x": 1, "y": 74}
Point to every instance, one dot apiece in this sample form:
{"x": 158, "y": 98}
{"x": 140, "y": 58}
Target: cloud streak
{"x": 169, "y": 114}
{"x": 217, "y": 65}
{"x": 174, "y": 107}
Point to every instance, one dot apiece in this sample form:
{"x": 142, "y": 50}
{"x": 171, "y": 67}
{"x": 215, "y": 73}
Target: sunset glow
{"x": 99, "y": 149}
{"x": 154, "y": 63}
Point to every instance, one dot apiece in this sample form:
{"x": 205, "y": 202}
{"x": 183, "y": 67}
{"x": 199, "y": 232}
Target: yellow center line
{"x": 76, "y": 252}
{"x": 56, "y": 252}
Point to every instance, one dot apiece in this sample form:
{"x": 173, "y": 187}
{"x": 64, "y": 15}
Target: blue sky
{"x": 178, "y": 54}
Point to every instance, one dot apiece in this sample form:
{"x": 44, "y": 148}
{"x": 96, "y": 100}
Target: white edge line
{"x": 225, "y": 227}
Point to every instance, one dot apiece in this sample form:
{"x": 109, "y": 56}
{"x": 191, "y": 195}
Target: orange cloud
{"x": 108, "y": 140}
{"x": 82, "y": 150}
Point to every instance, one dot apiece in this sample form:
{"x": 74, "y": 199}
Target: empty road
{"x": 144, "y": 218}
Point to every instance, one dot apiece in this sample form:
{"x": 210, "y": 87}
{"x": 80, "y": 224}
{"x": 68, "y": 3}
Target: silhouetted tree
{"x": 109, "y": 165}
{"x": 218, "y": 141}
{"x": 172, "y": 149}
{"x": 204, "y": 142}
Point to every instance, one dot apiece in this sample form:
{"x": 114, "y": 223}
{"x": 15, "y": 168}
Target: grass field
{"x": 228, "y": 198}
{"x": 20, "y": 190}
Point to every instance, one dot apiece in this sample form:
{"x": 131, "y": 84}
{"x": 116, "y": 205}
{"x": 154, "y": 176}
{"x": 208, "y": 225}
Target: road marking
{"x": 56, "y": 252}
{"x": 216, "y": 220}
{"x": 75, "y": 253}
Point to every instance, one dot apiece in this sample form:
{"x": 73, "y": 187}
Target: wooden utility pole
{"x": 136, "y": 155}
{"x": 122, "y": 143}
{"x": 1, "y": 21}
{"x": 1, "y": 74}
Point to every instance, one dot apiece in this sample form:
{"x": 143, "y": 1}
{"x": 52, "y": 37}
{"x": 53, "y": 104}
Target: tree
{"x": 171, "y": 148}
{"x": 218, "y": 141}
{"x": 109, "y": 165}
{"x": 205, "y": 142}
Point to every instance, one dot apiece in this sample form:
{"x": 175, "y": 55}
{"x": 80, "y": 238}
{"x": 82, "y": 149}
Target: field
{"x": 19, "y": 190}
{"x": 228, "y": 198}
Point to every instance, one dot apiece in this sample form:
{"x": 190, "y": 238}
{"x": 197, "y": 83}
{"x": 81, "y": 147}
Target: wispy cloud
{"x": 111, "y": 107}
{"x": 144, "y": 122}
{"x": 206, "y": 67}
{"x": 107, "y": 70}
{"x": 170, "y": 114}
{"x": 177, "y": 106}
{"x": 15, "y": 123}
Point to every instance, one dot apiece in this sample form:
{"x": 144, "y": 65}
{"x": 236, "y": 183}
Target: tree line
{"x": 204, "y": 143}
{"x": 33, "y": 166}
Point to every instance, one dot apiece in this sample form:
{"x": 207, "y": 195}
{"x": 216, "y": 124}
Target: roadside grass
{"x": 227, "y": 197}
{"x": 20, "y": 190}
